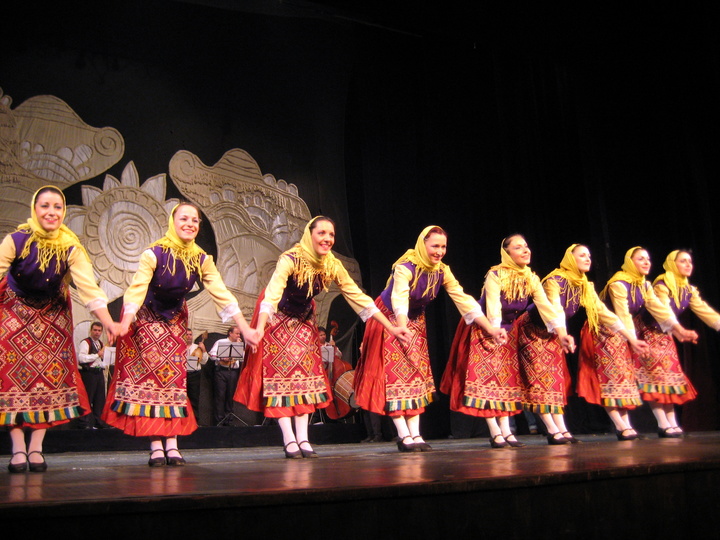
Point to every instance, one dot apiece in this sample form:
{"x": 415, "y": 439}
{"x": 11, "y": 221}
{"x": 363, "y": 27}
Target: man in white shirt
{"x": 90, "y": 354}
{"x": 227, "y": 373}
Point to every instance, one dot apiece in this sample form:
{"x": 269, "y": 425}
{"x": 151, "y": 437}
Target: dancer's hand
{"x": 568, "y": 343}
{"x": 401, "y": 333}
{"x": 499, "y": 335}
{"x": 640, "y": 347}
{"x": 684, "y": 335}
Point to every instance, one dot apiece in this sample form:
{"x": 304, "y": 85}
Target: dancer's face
{"x": 49, "y": 209}
{"x": 323, "y": 237}
{"x": 582, "y": 258}
{"x": 187, "y": 222}
{"x": 641, "y": 260}
{"x": 519, "y": 251}
{"x": 684, "y": 264}
{"x": 436, "y": 247}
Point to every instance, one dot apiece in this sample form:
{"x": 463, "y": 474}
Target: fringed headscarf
{"x": 49, "y": 244}
{"x": 674, "y": 281}
{"x": 189, "y": 253}
{"x": 308, "y": 264}
{"x": 515, "y": 280}
{"x": 627, "y": 273}
{"x": 581, "y": 290}
{"x": 419, "y": 257}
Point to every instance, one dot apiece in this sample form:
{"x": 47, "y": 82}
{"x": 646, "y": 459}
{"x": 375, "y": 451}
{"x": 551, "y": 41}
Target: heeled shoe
{"x": 553, "y": 440}
{"x": 622, "y": 437}
{"x": 502, "y": 443}
{"x": 292, "y": 455}
{"x": 174, "y": 461}
{"x": 158, "y": 461}
{"x": 37, "y": 467}
{"x": 306, "y": 453}
{"x": 667, "y": 434}
{"x": 18, "y": 467}
{"x": 515, "y": 443}
{"x": 410, "y": 447}
{"x": 569, "y": 437}
{"x": 422, "y": 446}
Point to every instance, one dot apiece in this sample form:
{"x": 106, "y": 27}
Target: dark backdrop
{"x": 581, "y": 124}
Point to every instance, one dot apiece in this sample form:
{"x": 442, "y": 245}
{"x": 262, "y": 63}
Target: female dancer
{"x": 40, "y": 385}
{"x": 396, "y": 380}
{"x": 284, "y": 377}
{"x": 606, "y": 376}
{"x": 148, "y": 395}
{"x": 482, "y": 377}
{"x": 542, "y": 360}
{"x": 660, "y": 376}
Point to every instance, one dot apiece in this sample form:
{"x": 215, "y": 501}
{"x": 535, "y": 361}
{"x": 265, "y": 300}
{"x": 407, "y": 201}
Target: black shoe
{"x": 494, "y": 443}
{"x": 422, "y": 446}
{"x": 158, "y": 461}
{"x": 552, "y": 440}
{"x": 18, "y": 467}
{"x": 306, "y": 453}
{"x": 629, "y": 437}
{"x": 515, "y": 443}
{"x": 410, "y": 447}
{"x": 293, "y": 455}
{"x": 665, "y": 434}
{"x": 569, "y": 437}
{"x": 174, "y": 461}
{"x": 37, "y": 467}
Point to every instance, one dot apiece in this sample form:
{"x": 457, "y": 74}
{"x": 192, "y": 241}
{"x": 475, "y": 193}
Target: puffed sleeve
{"x": 360, "y": 302}
{"x": 493, "y": 304}
{"x": 225, "y": 302}
{"x": 619, "y": 298}
{"x": 466, "y": 304}
{"x": 137, "y": 291}
{"x": 7, "y": 254}
{"x": 704, "y": 312}
{"x": 400, "y": 296}
{"x": 276, "y": 285}
{"x": 81, "y": 271}
{"x": 552, "y": 316}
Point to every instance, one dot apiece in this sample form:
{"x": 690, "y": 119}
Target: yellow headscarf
{"x": 308, "y": 264}
{"x": 515, "y": 281}
{"x": 419, "y": 257}
{"x": 582, "y": 289}
{"x": 188, "y": 252}
{"x": 627, "y": 273}
{"x": 49, "y": 244}
{"x": 674, "y": 281}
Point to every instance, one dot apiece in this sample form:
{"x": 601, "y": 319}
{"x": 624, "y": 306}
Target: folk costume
{"x": 40, "y": 385}
{"x": 393, "y": 378}
{"x": 283, "y": 376}
{"x": 482, "y": 377}
{"x": 544, "y": 373}
{"x": 660, "y": 375}
{"x": 148, "y": 394}
{"x": 607, "y": 375}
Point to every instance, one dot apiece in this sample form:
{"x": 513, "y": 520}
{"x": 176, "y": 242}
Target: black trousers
{"x": 225, "y": 383}
{"x": 94, "y": 381}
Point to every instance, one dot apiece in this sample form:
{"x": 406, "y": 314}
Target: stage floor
{"x": 362, "y": 479}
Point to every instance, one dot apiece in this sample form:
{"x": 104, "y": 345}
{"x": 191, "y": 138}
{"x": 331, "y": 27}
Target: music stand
{"x": 236, "y": 353}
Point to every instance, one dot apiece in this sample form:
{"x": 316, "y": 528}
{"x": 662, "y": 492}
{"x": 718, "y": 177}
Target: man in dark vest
{"x": 90, "y": 354}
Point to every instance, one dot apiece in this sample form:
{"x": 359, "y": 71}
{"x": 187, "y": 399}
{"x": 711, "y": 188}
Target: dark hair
{"x": 679, "y": 251}
{"x": 506, "y": 240}
{"x": 322, "y": 329}
{"x": 639, "y": 248}
{"x": 435, "y": 230}
{"x": 49, "y": 189}
{"x": 96, "y": 323}
{"x": 314, "y": 222}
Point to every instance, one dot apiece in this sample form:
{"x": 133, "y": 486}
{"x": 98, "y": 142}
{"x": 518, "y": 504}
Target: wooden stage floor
{"x": 598, "y": 489}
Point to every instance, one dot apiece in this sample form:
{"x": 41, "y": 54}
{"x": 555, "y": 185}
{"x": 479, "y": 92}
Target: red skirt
{"x": 40, "y": 385}
{"x": 544, "y": 375}
{"x": 148, "y": 393}
{"x": 660, "y": 376}
{"x": 284, "y": 376}
{"x": 606, "y": 376}
{"x": 392, "y": 378}
{"x": 482, "y": 377}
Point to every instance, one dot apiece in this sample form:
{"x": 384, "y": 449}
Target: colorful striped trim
{"x": 483, "y": 404}
{"x": 149, "y": 411}
{"x": 302, "y": 399}
{"x": 38, "y": 417}
{"x": 409, "y": 404}
{"x": 544, "y": 409}
{"x": 663, "y": 389}
{"x": 622, "y": 403}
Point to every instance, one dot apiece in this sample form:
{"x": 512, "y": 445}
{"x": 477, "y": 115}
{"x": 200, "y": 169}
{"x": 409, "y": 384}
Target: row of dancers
{"x": 508, "y": 352}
